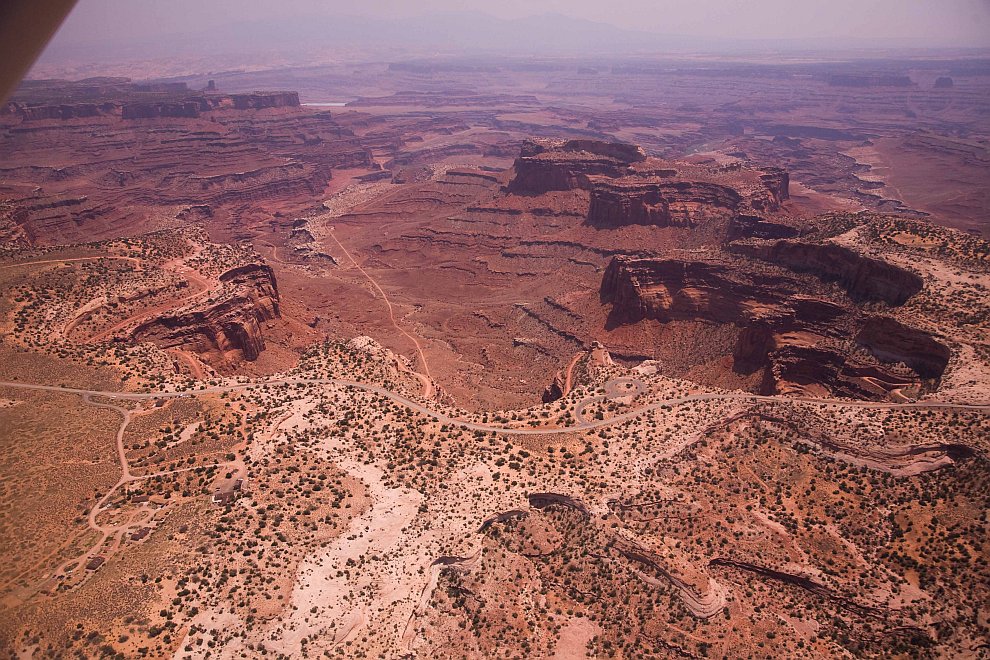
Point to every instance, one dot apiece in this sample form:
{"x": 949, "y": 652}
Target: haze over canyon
{"x": 637, "y": 330}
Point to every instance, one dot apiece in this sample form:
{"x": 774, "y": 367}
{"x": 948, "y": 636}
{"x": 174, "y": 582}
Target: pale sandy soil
{"x": 574, "y": 638}
{"x": 346, "y": 603}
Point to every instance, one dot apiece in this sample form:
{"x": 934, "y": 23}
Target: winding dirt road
{"x": 134, "y": 260}
{"x": 115, "y": 533}
{"x": 616, "y": 388}
{"x": 443, "y": 418}
{"x": 201, "y": 287}
{"x": 426, "y": 378}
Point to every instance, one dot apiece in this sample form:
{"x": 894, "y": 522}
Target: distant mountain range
{"x": 439, "y": 32}
{"x": 433, "y": 34}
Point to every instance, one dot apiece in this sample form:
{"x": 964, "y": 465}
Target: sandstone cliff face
{"x": 892, "y": 341}
{"x": 260, "y": 100}
{"x": 191, "y": 107}
{"x": 659, "y": 202}
{"x": 540, "y": 175}
{"x": 802, "y": 342}
{"x": 186, "y": 109}
{"x": 777, "y": 181}
{"x": 282, "y": 156}
{"x": 555, "y": 390}
{"x": 615, "y": 204}
{"x": 670, "y": 289}
{"x": 545, "y": 165}
{"x": 232, "y": 321}
{"x": 620, "y": 151}
{"x": 863, "y": 278}
{"x": 627, "y": 188}
{"x": 63, "y": 111}
{"x": 752, "y": 226}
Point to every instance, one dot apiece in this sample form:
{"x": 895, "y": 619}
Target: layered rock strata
{"x": 230, "y": 321}
{"x": 546, "y": 165}
{"x": 864, "y": 278}
{"x": 800, "y": 340}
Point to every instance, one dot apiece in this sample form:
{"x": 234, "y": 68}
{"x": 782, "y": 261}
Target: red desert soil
{"x": 502, "y": 359}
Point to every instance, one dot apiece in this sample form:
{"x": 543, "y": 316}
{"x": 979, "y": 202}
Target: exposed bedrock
{"x": 753, "y": 347}
{"x": 248, "y": 297}
{"x": 545, "y": 165}
{"x": 620, "y": 151}
{"x": 543, "y": 500}
{"x": 62, "y": 111}
{"x": 670, "y": 289}
{"x": 648, "y": 201}
{"x": 778, "y": 182}
{"x": 804, "y": 582}
{"x": 187, "y": 109}
{"x": 801, "y": 341}
{"x": 703, "y": 605}
{"x": 891, "y": 341}
{"x": 260, "y": 100}
{"x": 502, "y": 517}
{"x": 540, "y": 175}
{"x": 555, "y": 390}
{"x": 862, "y": 277}
{"x": 752, "y": 226}
{"x": 614, "y": 204}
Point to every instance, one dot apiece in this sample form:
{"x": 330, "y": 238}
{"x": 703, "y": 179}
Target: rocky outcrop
{"x": 753, "y": 346}
{"x": 627, "y": 188}
{"x": 614, "y": 204}
{"x": 670, "y": 289}
{"x": 514, "y": 514}
{"x": 703, "y": 605}
{"x": 862, "y": 277}
{"x": 305, "y": 246}
{"x": 890, "y": 340}
{"x": 546, "y": 165}
{"x": 802, "y": 581}
{"x": 620, "y": 151}
{"x": 544, "y": 500}
{"x": 752, "y": 226}
{"x": 555, "y": 390}
{"x": 868, "y": 80}
{"x": 659, "y": 202}
{"x": 800, "y": 341}
{"x": 186, "y": 109}
{"x": 777, "y": 181}
{"x": 261, "y": 100}
{"x": 62, "y": 112}
{"x": 285, "y": 156}
{"x": 230, "y": 321}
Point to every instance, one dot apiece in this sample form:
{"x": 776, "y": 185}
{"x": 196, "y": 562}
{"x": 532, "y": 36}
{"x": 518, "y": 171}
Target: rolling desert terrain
{"x": 511, "y": 357}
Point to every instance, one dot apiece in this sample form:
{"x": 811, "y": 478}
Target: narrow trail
{"x": 135, "y": 518}
{"x": 611, "y": 390}
{"x": 134, "y": 260}
{"x": 616, "y": 389}
{"x": 274, "y": 256}
{"x": 195, "y": 368}
{"x": 143, "y": 315}
{"x": 570, "y": 373}
{"x": 125, "y": 473}
{"x": 426, "y": 378}
{"x": 201, "y": 287}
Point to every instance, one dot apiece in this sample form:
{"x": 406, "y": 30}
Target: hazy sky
{"x": 929, "y": 22}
